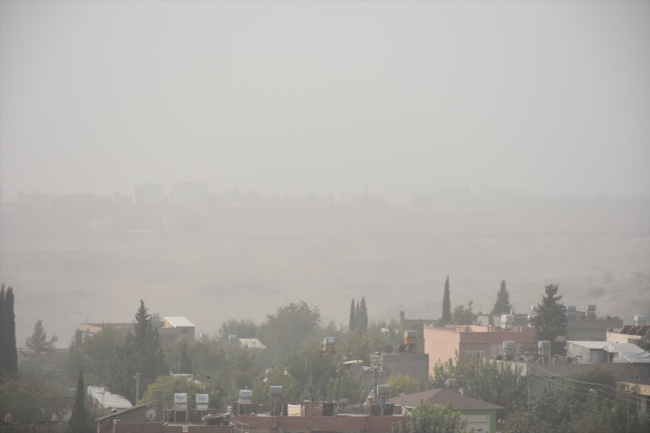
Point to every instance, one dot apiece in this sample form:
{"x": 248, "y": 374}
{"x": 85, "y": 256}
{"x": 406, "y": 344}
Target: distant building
{"x": 595, "y": 352}
{"x": 106, "y": 401}
{"x": 628, "y": 334}
{"x": 481, "y": 416}
{"x": 175, "y": 329}
{"x": 170, "y": 329}
{"x": 148, "y": 194}
{"x": 442, "y": 344}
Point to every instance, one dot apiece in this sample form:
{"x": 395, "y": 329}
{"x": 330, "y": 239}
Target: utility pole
{"x": 137, "y": 387}
{"x": 529, "y": 366}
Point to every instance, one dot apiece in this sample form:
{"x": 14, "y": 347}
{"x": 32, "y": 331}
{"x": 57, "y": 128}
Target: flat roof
{"x": 589, "y": 344}
{"x": 179, "y": 322}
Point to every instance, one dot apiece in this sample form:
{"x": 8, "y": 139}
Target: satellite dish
{"x": 151, "y": 414}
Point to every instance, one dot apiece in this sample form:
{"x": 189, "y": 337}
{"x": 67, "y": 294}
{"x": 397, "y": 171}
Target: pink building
{"x": 442, "y": 344}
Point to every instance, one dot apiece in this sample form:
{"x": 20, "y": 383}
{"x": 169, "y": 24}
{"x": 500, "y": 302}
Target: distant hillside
{"x": 246, "y": 263}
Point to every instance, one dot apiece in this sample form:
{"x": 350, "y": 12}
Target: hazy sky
{"x": 290, "y": 98}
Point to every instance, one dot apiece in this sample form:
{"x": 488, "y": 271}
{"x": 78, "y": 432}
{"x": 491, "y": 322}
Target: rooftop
{"x": 442, "y": 397}
{"x": 179, "y": 322}
{"x": 252, "y": 343}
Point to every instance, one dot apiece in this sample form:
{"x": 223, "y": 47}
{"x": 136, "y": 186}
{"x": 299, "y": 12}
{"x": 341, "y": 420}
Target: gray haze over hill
{"x": 245, "y": 258}
{"x": 392, "y": 144}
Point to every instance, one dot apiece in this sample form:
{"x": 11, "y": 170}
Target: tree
{"x": 243, "y": 328}
{"x": 446, "y": 304}
{"x": 362, "y": 318}
{"x": 433, "y": 418}
{"x": 162, "y": 391}
{"x": 488, "y": 380}
{"x": 402, "y": 384}
{"x": 347, "y": 387}
{"x": 79, "y": 420}
{"x": 502, "y": 304}
{"x": 139, "y": 353}
{"x": 551, "y": 320}
{"x": 38, "y": 343}
{"x": 290, "y": 326}
{"x": 8, "y": 352}
{"x": 464, "y": 316}
{"x": 186, "y": 361}
{"x": 353, "y": 318}
{"x": 99, "y": 351}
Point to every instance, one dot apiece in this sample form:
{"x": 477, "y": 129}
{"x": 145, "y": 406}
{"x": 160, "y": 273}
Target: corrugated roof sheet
{"x": 442, "y": 397}
{"x": 251, "y": 343}
{"x": 179, "y": 322}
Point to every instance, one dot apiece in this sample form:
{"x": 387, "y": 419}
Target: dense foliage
{"x": 489, "y": 380}
{"x": 585, "y": 401}
{"x": 433, "y": 418}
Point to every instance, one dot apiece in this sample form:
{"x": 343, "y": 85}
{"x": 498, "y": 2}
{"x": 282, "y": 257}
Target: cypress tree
{"x": 363, "y": 315}
{"x": 79, "y": 419}
{"x": 357, "y": 314}
{"x": 446, "y": 304}
{"x": 139, "y": 353}
{"x": 502, "y": 304}
{"x": 8, "y": 333}
{"x": 2, "y": 301}
{"x": 353, "y": 318}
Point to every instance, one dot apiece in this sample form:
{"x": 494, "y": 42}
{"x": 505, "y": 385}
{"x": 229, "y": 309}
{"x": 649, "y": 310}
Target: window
{"x": 480, "y": 353}
{"x": 550, "y": 384}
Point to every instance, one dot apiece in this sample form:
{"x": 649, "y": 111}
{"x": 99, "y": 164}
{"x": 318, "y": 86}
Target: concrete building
{"x": 137, "y": 414}
{"x": 594, "y": 329}
{"x": 627, "y": 334}
{"x": 174, "y": 329}
{"x": 466, "y": 341}
{"x": 596, "y": 352}
{"x": 481, "y": 416}
{"x": 313, "y": 424}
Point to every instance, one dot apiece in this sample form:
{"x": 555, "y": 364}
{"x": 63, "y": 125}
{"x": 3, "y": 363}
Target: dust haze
{"x": 220, "y": 160}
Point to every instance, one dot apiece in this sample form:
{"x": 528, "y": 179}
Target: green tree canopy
{"x": 402, "y": 384}
{"x": 551, "y": 321}
{"x": 161, "y": 392}
{"x": 433, "y": 418}
{"x": 290, "y": 327}
{"x": 243, "y": 328}
{"x": 502, "y": 304}
{"x": 38, "y": 343}
{"x": 464, "y": 316}
{"x": 488, "y": 380}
